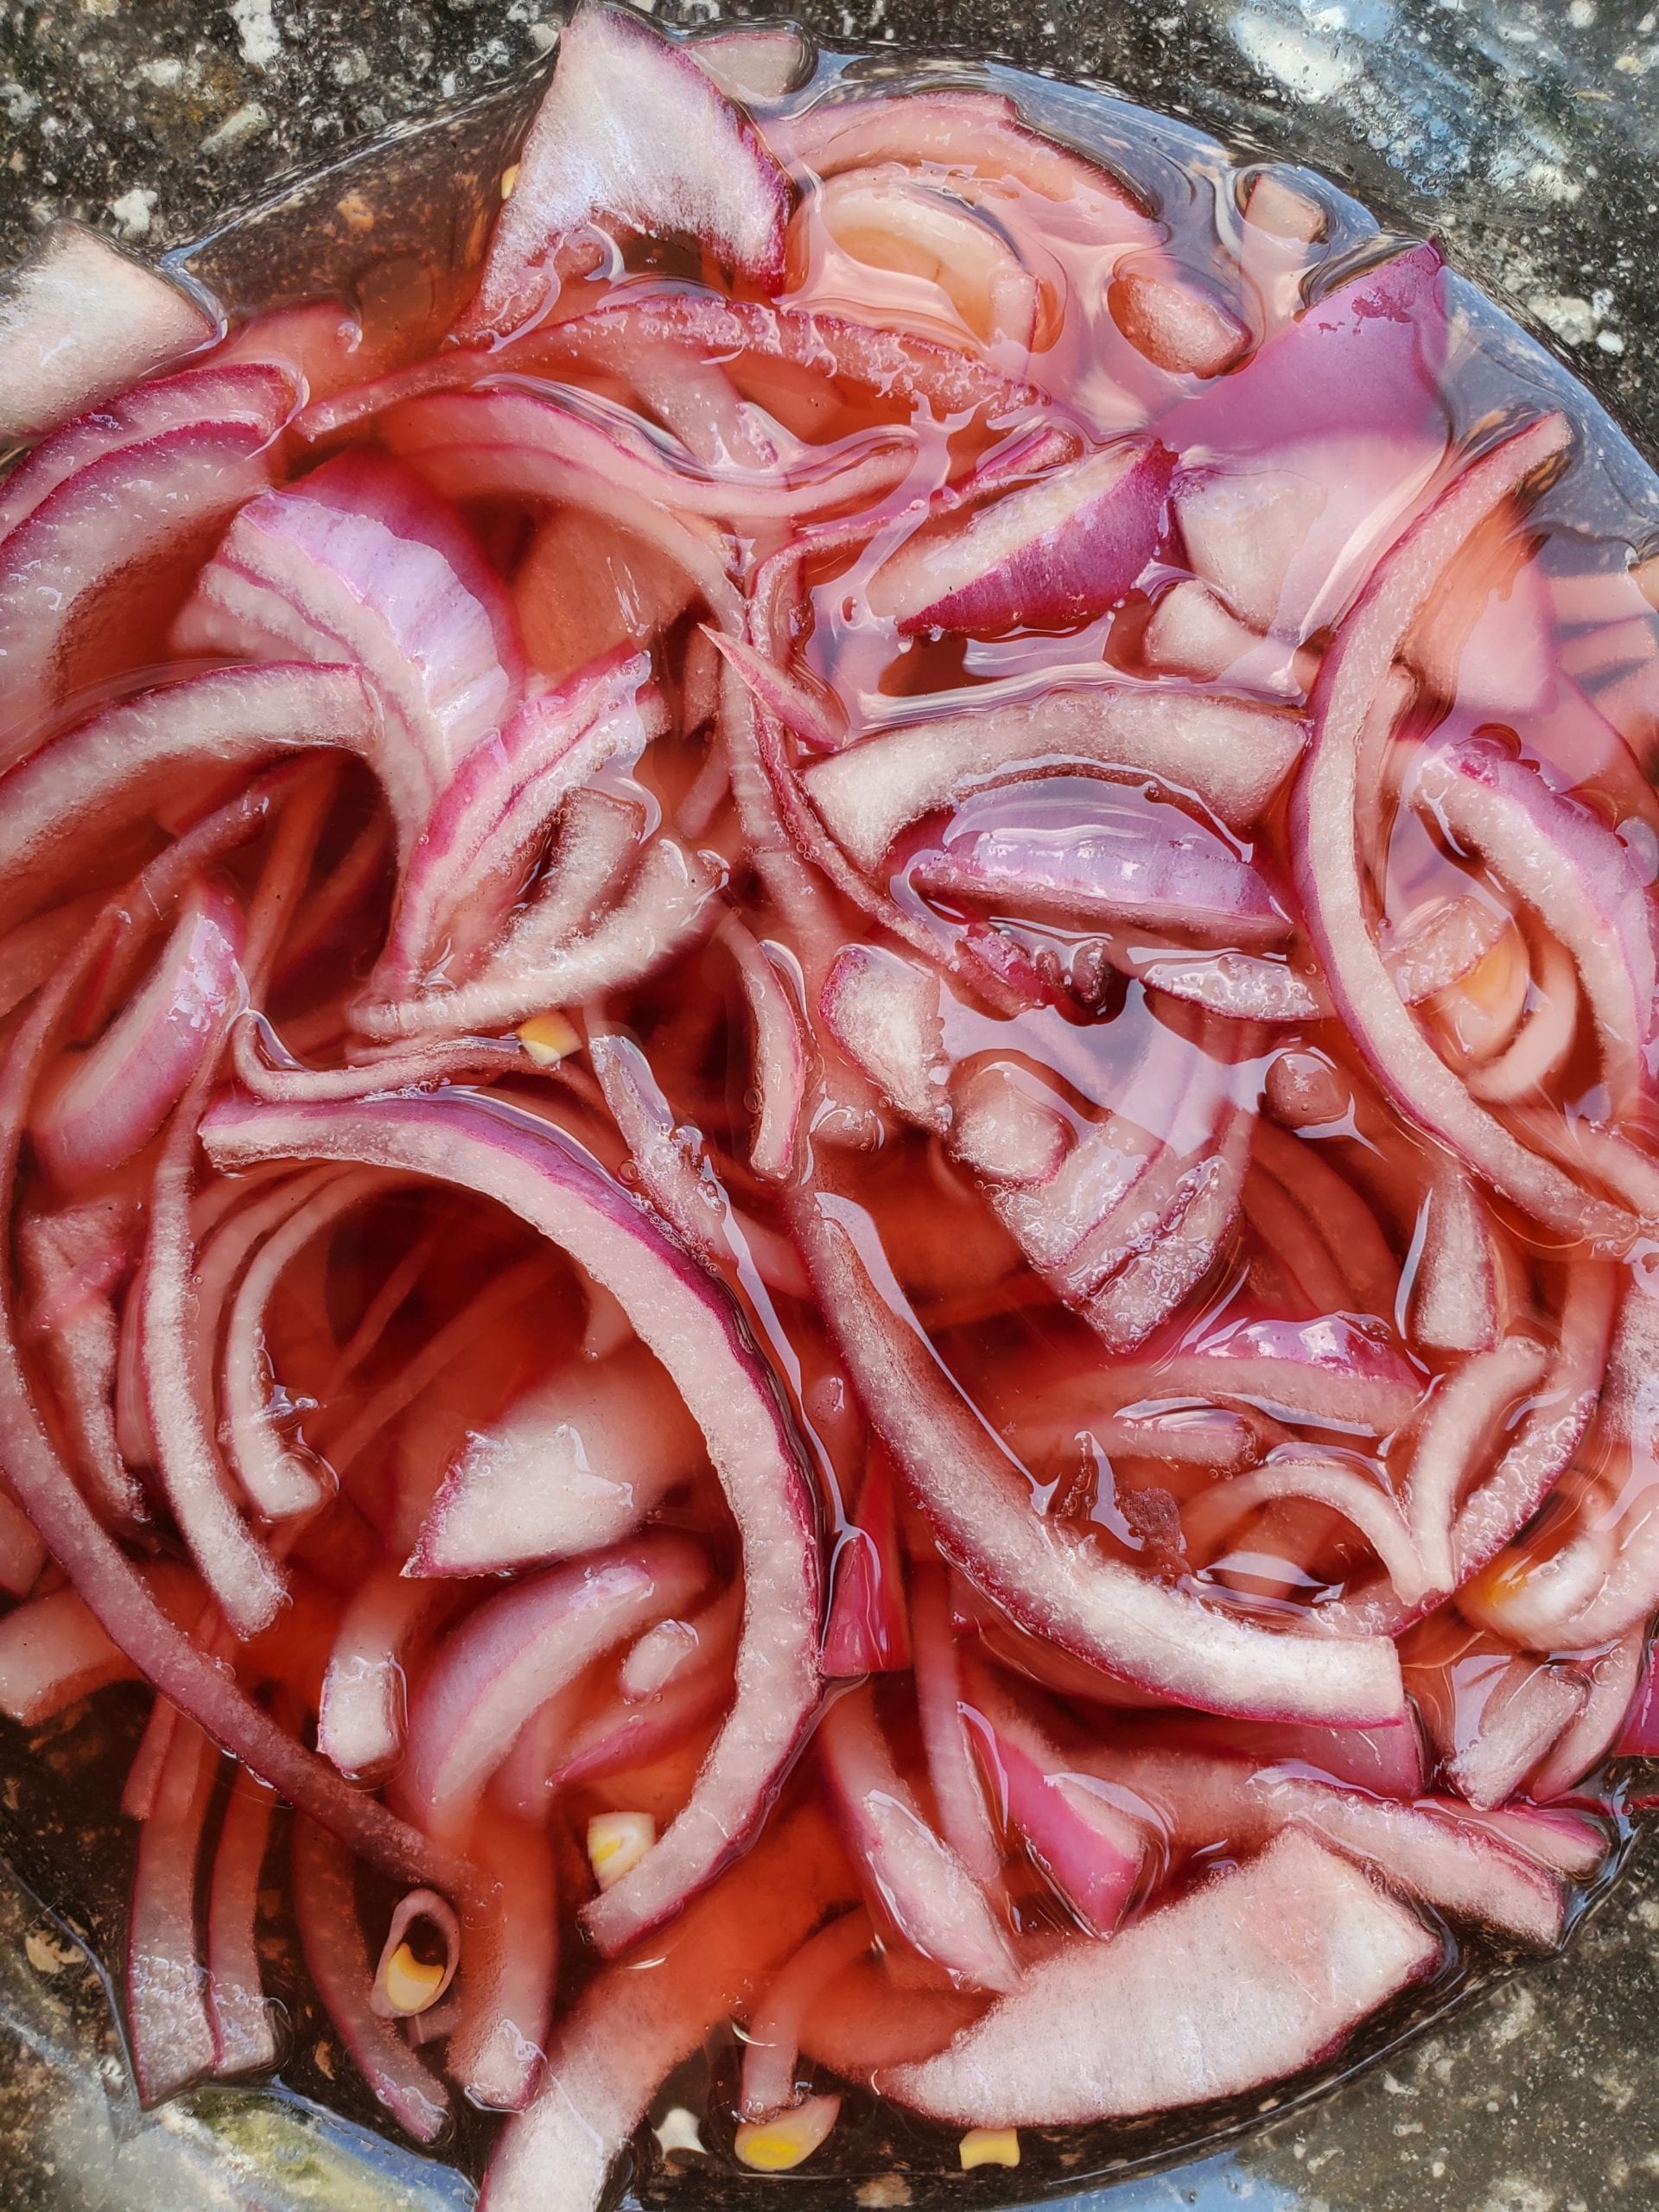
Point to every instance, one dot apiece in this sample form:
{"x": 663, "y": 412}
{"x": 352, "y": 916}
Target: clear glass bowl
{"x": 1523, "y": 137}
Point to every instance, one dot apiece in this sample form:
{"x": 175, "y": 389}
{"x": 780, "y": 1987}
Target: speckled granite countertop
{"x": 1527, "y": 135}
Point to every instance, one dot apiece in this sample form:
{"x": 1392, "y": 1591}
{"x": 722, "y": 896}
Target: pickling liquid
{"x": 1547, "y": 649}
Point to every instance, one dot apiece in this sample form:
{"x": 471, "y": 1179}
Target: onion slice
{"x": 1055, "y": 2053}
{"x": 540, "y": 1174}
{"x": 974, "y": 1499}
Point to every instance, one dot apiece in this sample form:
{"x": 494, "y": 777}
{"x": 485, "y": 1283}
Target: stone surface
{"x": 1528, "y": 136}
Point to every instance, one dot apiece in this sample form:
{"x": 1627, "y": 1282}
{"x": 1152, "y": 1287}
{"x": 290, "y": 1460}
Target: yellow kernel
{"x": 988, "y": 2146}
{"x": 616, "y": 1844}
{"x": 788, "y": 2138}
{"x": 411, "y": 1985}
{"x": 509, "y": 178}
{"x": 547, "y": 1038}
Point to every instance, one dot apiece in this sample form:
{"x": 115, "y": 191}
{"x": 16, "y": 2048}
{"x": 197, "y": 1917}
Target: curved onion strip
{"x": 642, "y": 2014}
{"x": 771, "y": 2042}
{"x": 1325, "y": 862}
{"x": 780, "y": 1050}
{"x": 1356, "y": 1497}
{"x": 965, "y": 1820}
{"x": 670, "y": 904}
{"x": 972, "y": 1494}
{"x": 539, "y": 1172}
{"x": 283, "y": 1082}
{"x": 245, "y": 2040}
{"x": 325, "y": 1903}
{"x": 167, "y": 1992}
{"x": 1462, "y": 1414}
{"x": 278, "y": 1478}
{"x": 1614, "y": 1677}
{"x": 495, "y": 2047}
{"x": 519, "y": 1648}
{"x": 911, "y": 1873}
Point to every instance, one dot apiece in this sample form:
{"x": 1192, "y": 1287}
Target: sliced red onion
{"x": 1342, "y": 1219}
{"x": 1150, "y": 868}
{"x": 1545, "y": 1037}
{"x": 809, "y": 720}
{"x": 1192, "y": 633}
{"x": 1061, "y": 550}
{"x": 1580, "y": 877}
{"x": 281, "y": 1081}
{"x": 625, "y": 1736}
{"x": 1455, "y": 1295}
{"x": 258, "y": 397}
{"x": 72, "y": 1263}
{"x": 80, "y": 322}
{"x": 632, "y": 132}
{"x": 967, "y": 135}
{"x": 670, "y": 904}
{"x": 1088, "y": 1848}
{"x": 58, "y": 810}
{"x": 1382, "y": 1762}
{"x": 1571, "y": 1843}
{"x": 900, "y": 365}
{"x": 540, "y": 445}
{"x": 1232, "y": 755}
{"x": 772, "y": 991}
{"x": 1007, "y": 1128}
{"x": 245, "y": 1580}
{"x": 1327, "y": 1373}
{"x": 638, "y": 2018}
{"x": 884, "y": 1011}
{"x": 958, "y": 1796}
{"x": 514, "y": 1653}
{"x": 1551, "y": 1432}
{"x": 277, "y": 1474}
{"x": 1161, "y": 1274}
{"x": 1464, "y": 1413}
{"x": 89, "y": 580}
{"x": 245, "y": 2040}
{"x": 912, "y": 1873}
{"x": 771, "y": 2042}
{"x": 575, "y": 1464}
{"x": 115, "y": 1097}
{"x": 887, "y": 219}
{"x": 686, "y": 1320}
{"x": 52, "y": 1650}
{"x": 1614, "y": 1675}
{"x": 1242, "y": 532}
{"x": 363, "y": 1715}
{"x": 1178, "y": 324}
{"x": 184, "y": 1674}
{"x": 976, "y": 1501}
{"x": 496, "y": 2045}
{"x": 868, "y": 1629}
{"x": 1055, "y": 2053}
{"x": 325, "y": 1904}
{"x": 669, "y": 1157}
{"x": 1429, "y": 1849}
{"x": 167, "y": 1984}
{"x": 1445, "y": 945}
{"x": 1295, "y": 1473}
{"x": 750, "y": 65}
{"x": 1342, "y": 405}
{"x": 469, "y": 864}
{"x": 32, "y": 951}
{"x": 360, "y": 563}
{"x": 1326, "y": 863}
{"x": 1529, "y": 1708}
{"x": 1237, "y": 986}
